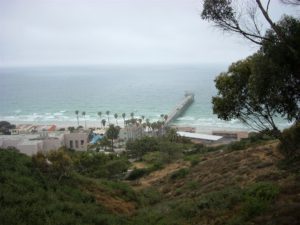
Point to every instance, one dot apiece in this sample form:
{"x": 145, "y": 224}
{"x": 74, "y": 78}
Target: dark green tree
{"x": 116, "y": 118}
{"x": 265, "y": 85}
{"x": 107, "y": 113}
{"x": 99, "y": 114}
{"x": 105, "y": 142}
{"x": 83, "y": 114}
{"x": 124, "y": 118}
{"x": 77, "y": 116}
{"x": 103, "y": 121}
{"x": 132, "y": 115}
{"x": 112, "y": 133}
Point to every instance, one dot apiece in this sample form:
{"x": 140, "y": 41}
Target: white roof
{"x": 199, "y": 136}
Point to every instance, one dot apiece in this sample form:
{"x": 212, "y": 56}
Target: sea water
{"x": 50, "y": 95}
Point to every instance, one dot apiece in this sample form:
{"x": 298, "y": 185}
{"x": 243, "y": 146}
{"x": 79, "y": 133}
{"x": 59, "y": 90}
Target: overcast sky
{"x": 38, "y": 32}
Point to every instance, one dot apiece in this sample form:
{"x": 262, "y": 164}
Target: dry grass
{"x": 113, "y": 204}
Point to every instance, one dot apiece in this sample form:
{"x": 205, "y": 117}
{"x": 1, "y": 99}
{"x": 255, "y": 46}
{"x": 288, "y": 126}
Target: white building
{"x": 200, "y": 138}
{"x": 30, "y": 144}
{"x": 77, "y": 141}
{"x": 131, "y": 132}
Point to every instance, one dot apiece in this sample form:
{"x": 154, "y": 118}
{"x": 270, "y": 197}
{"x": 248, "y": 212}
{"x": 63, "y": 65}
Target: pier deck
{"x": 180, "y": 108}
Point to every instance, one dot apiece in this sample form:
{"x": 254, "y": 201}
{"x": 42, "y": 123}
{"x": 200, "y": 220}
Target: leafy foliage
{"x": 181, "y": 173}
{"x": 290, "y": 141}
{"x": 112, "y": 133}
{"x": 264, "y": 85}
{"x": 29, "y": 197}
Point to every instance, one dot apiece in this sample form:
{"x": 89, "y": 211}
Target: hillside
{"x": 248, "y": 186}
{"x": 238, "y": 187}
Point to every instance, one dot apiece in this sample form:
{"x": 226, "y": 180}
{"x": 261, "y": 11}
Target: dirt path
{"x": 156, "y": 176}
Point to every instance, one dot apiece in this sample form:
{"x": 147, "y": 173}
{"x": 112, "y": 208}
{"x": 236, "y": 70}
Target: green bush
{"x": 137, "y": 173}
{"x": 29, "y": 196}
{"x": 223, "y": 199}
{"x": 257, "y": 198}
{"x": 150, "y": 196}
{"x": 237, "y": 145}
{"x": 123, "y": 190}
{"x": 290, "y": 141}
{"x": 181, "y": 173}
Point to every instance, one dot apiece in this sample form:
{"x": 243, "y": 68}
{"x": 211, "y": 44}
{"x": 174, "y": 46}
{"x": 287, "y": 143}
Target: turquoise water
{"x": 50, "y": 95}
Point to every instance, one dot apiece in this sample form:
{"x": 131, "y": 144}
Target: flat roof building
{"x": 197, "y": 137}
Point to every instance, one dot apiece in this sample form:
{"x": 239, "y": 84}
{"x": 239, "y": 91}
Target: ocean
{"x": 50, "y": 95}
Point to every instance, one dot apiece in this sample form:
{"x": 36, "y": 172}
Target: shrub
{"x": 290, "y": 141}
{"x": 154, "y": 157}
{"x": 116, "y": 167}
{"x": 238, "y": 145}
{"x": 257, "y": 198}
{"x": 223, "y": 199}
{"x": 137, "y": 173}
{"x": 150, "y": 196}
{"x": 181, "y": 173}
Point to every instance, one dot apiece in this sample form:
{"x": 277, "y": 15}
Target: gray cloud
{"x": 111, "y": 31}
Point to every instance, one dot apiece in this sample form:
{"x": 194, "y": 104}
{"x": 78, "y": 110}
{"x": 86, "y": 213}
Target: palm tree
{"x": 148, "y": 124}
{"x": 107, "y": 113}
{"x": 162, "y": 116}
{"x": 132, "y": 115}
{"x": 116, "y": 117}
{"x": 153, "y": 126}
{"x": 83, "y": 113}
{"x": 99, "y": 114}
{"x": 166, "y": 117}
{"x": 77, "y": 113}
{"x": 103, "y": 122}
{"x": 140, "y": 120}
{"x": 124, "y": 116}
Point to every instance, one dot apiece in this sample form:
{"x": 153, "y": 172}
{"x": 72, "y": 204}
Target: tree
{"x": 5, "y": 127}
{"x": 124, "y": 118}
{"x": 268, "y": 82}
{"x": 99, "y": 114}
{"x": 56, "y": 163}
{"x": 140, "y": 120}
{"x": 103, "y": 121}
{"x": 171, "y": 135}
{"x": 242, "y": 17}
{"x": 83, "y": 114}
{"x": 138, "y": 148}
{"x": 286, "y": 72}
{"x": 148, "y": 123}
{"x": 264, "y": 85}
{"x": 112, "y": 133}
{"x": 77, "y": 115}
{"x": 166, "y": 117}
{"x": 71, "y": 129}
{"x": 104, "y": 142}
{"x": 116, "y": 117}
{"x": 248, "y": 91}
{"x": 162, "y": 116}
{"x": 107, "y": 113}
{"x": 132, "y": 115}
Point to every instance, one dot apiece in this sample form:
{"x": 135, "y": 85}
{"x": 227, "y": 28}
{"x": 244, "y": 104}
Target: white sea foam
{"x": 186, "y": 118}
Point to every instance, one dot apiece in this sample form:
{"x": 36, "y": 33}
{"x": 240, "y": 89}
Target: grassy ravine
{"x": 242, "y": 183}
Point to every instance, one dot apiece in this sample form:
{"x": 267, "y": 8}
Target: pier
{"x": 180, "y": 108}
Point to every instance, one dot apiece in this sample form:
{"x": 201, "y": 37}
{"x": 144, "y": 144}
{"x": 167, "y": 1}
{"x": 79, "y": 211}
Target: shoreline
{"x": 94, "y": 124}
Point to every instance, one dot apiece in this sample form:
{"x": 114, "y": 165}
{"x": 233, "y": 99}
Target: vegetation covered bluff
{"x": 171, "y": 181}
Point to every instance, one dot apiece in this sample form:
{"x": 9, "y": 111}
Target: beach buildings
{"x": 200, "y": 138}
{"x": 131, "y": 132}
{"x": 45, "y": 141}
{"x": 77, "y": 141}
